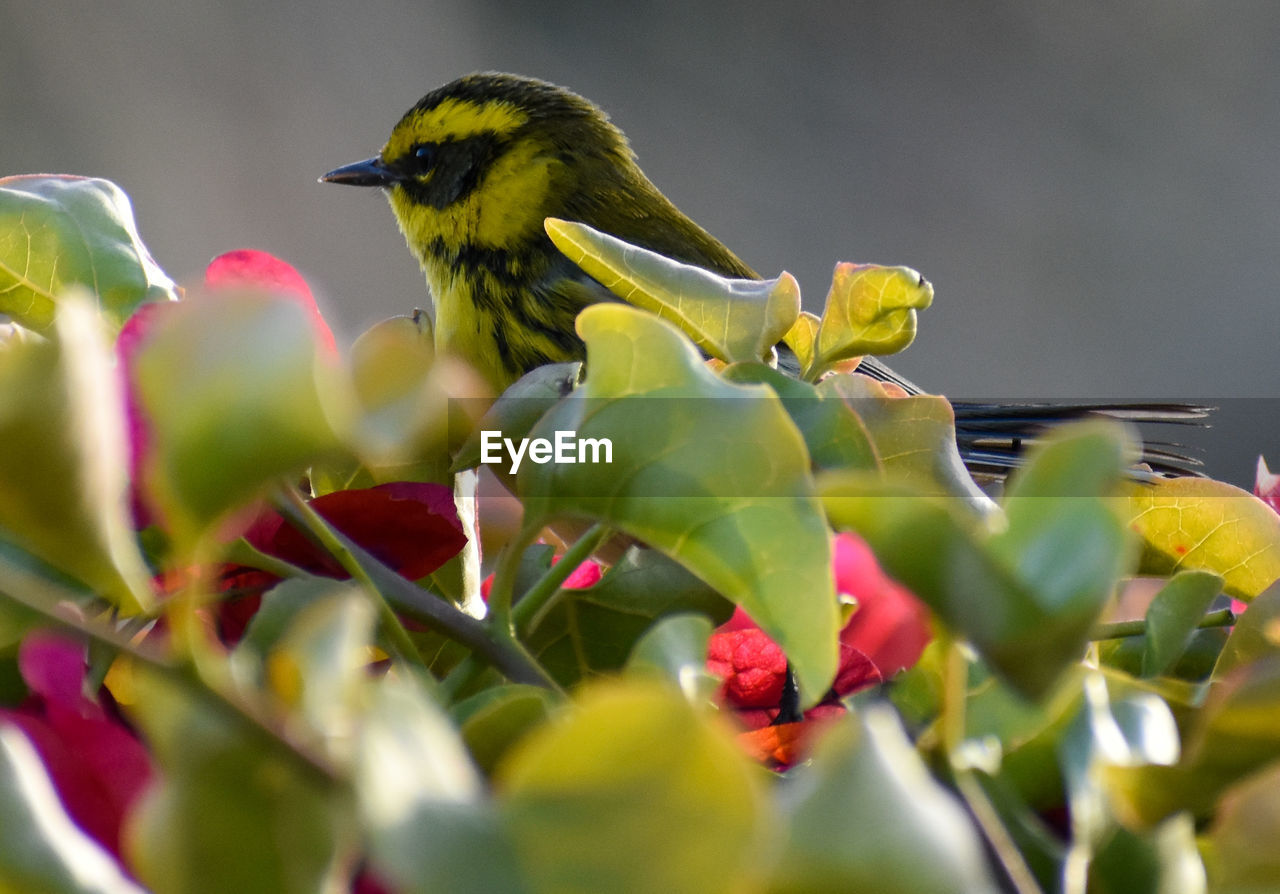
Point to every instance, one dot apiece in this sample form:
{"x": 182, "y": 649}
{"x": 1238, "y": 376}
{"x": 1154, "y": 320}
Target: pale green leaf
{"x": 633, "y": 791}
{"x": 802, "y": 338}
{"x": 319, "y": 667}
{"x": 63, "y": 467}
{"x": 229, "y": 814}
{"x": 1235, "y": 733}
{"x": 1256, "y": 634}
{"x": 237, "y": 397}
{"x": 1026, "y": 593}
{"x": 732, "y": 319}
{"x": 1173, "y": 616}
{"x": 421, "y": 800}
{"x": 834, "y": 434}
{"x": 1198, "y": 523}
{"x": 868, "y": 816}
{"x": 676, "y": 648}
{"x": 58, "y": 232}
{"x": 1245, "y": 859}
{"x": 869, "y": 309}
{"x": 914, "y": 438}
{"x": 736, "y": 510}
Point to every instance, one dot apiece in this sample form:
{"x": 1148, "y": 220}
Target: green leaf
{"x": 1172, "y": 618}
{"x": 1039, "y": 844}
{"x": 237, "y": 396}
{"x": 914, "y": 438}
{"x": 269, "y": 624}
{"x": 493, "y": 720}
{"x": 869, "y": 310}
{"x": 1242, "y": 841}
{"x": 802, "y": 337}
{"x": 517, "y": 410}
{"x": 732, "y": 319}
{"x": 714, "y": 475}
{"x": 42, "y": 851}
{"x": 15, "y": 621}
{"x": 833, "y": 433}
{"x": 391, "y": 357}
{"x": 1256, "y": 634}
{"x": 63, "y": 478}
{"x": 866, "y": 812}
{"x": 421, "y": 801}
{"x": 592, "y": 631}
{"x": 414, "y": 409}
{"x": 1238, "y": 729}
{"x": 1062, "y": 539}
{"x": 319, "y": 667}
{"x": 1026, "y": 596}
{"x": 1198, "y": 523}
{"x": 453, "y": 848}
{"x": 228, "y": 814}
{"x": 404, "y": 409}
{"x": 1235, "y": 733}
{"x": 1132, "y": 730}
{"x": 1195, "y": 664}
{"x": 675, "y": 648}
{"x": 938, "y": 554}
{"x": 634, "y": 790}
{"x": 1027, "y": 733}
{"x": 1160, "y": 861}
{"x": 58, "y": 232}
{"x": 30, "y": 590}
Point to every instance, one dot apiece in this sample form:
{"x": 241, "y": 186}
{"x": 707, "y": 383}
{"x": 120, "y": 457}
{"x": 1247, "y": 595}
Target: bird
{"x": 477, "y": 165}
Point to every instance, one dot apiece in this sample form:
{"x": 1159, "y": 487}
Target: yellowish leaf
{"x": 1206, "y": 524}
{"x": 870, "y": 310}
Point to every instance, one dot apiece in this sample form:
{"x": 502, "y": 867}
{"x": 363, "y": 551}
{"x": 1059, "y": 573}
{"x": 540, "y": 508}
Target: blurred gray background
{"x": 1093, "y": 189}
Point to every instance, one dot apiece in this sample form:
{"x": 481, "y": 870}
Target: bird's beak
{"x": 370, "y": 172}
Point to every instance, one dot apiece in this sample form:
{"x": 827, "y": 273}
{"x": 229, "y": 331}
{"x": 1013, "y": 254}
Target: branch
{"x": 43, "y": 596}
{"x": 407, "y": 597}
{"x": 1224, "y": 617}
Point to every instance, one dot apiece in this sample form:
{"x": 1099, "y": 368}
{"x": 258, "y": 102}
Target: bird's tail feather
{"x": 992, "y": 436}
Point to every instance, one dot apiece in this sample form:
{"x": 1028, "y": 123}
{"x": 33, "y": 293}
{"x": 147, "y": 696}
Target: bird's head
{"x": 483, "y": 160}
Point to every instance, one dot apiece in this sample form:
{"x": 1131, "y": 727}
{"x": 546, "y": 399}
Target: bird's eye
{"x": 423, "y": 154}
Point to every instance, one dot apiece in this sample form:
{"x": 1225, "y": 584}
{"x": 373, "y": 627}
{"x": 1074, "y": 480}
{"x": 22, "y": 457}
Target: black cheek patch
{"x": 459, "y": 168}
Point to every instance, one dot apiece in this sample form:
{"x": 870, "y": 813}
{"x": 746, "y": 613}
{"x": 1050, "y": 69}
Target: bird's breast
{"x": 504, "y": 313}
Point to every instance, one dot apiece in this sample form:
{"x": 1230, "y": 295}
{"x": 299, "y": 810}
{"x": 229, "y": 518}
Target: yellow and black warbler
{"x": 476, "y": 166}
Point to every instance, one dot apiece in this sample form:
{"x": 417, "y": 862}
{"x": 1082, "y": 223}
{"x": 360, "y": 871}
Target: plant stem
{"x": 407, "y": 597}
{"x": 312, "y": 522}
{"x": 502, "y": 593}
{"x": 41, "y": 596}
{"x": 1223, "y": 617}
{"x": 1015, "y": 866}
{"x": 955, "y": 679}
{"x": 531, "y": 607}
{"x": 242, "y": 552}
{"x": 463, "y": 673}
{"x": 540, "y": 598}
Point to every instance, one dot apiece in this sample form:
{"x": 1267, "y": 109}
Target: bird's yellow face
{"x": 472, "y": 175}
{"x": 474, "y": 182}
{"x": 473, "y": 170}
